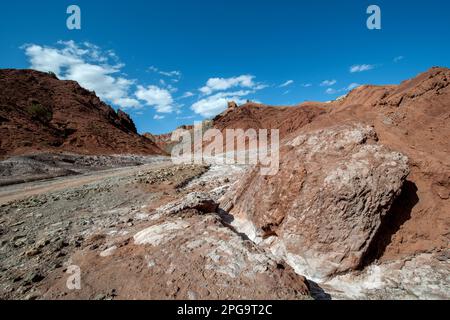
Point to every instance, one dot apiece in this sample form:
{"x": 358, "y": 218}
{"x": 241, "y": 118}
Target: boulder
{"x": 323, "y": 208}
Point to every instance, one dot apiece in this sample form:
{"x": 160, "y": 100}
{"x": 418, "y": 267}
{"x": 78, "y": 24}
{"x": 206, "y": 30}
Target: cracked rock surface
{"x": 323, "y": 208}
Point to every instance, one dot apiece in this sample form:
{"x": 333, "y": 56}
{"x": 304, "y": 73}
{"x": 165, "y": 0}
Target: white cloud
{"x": 211, "y": 106}
{"x": 168, "y": 86}
{"x": 185, "y": 118}
{"x": 328, "y": 83}
{"x": 128, "y": 103}
{"x": 49, "y": 59}
{"x": 170, "y": 74}
{"x": 88, "y": 65}
{"x": 187, "y": 94}
{"x": 306, "y": 85}
{"x": 353, "y": 86}
{"x": 398, "y": 59}
{"x": 348, "y": 88}
{"x": 287, "y": 83}
{"x": 221, "y": 84}
{"x": 172, "y": 88}
{"x": 101, "y": 71}
{"x": 156, "y": 97}
{"x": 361, "y": 68}
{"x": 158, "y": 117}
{"x": 260, "y": 86}
{"x": 217, "y": 103}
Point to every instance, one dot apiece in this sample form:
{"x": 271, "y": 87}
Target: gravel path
{"x": 25, "y": 190}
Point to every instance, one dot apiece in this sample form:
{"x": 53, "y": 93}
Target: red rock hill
{"x": 38, "y": 113}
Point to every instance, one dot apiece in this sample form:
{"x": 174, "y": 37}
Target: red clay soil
{"x": 39, "y": 113}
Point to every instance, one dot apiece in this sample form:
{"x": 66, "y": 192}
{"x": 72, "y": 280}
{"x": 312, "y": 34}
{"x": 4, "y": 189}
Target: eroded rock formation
{"x": 326, "y": 203}
{"x": 185, "y": 255}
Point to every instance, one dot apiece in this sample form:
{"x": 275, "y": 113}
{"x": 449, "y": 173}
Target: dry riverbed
{"x": 132, "y": 232}
{"x": 43, "y": 223}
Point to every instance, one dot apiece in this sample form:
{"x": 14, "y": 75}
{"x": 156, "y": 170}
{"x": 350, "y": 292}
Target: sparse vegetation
{"x": 40, "y": 113}
{"x": 52, "y": 74}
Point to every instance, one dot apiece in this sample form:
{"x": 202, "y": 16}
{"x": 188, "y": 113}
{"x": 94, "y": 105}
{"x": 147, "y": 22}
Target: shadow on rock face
{"x": 398, "y": 214}
{"x": 317, "y": 292}
{"x": 225, "y": 216}
{"x": 227, "y": 219}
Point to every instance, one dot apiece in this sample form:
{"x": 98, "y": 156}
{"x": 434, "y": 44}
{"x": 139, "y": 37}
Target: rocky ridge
{"x": 39, "y": 113}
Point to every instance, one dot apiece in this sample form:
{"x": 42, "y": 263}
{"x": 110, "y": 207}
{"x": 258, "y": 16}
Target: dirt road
{"x": 25, "y": 190}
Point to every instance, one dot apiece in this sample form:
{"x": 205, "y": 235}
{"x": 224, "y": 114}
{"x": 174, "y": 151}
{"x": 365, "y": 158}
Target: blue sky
{"x": 170, "y": 62}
